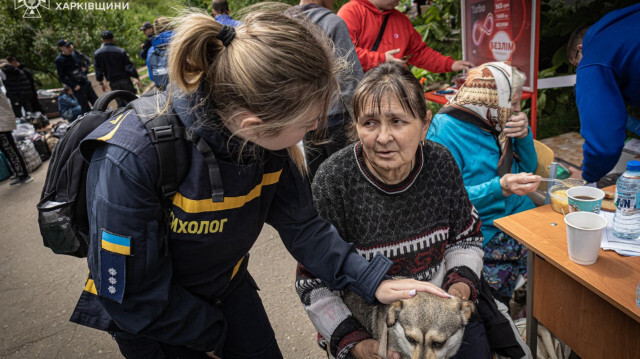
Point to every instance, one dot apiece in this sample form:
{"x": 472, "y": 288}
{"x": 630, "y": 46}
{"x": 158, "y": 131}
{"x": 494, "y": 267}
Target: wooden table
{"x": 590, "y": 308}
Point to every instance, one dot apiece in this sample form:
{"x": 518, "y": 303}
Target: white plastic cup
{"x": 584, "y": 233}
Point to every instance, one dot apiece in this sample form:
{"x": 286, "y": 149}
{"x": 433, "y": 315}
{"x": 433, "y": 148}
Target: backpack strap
{"x": 163, "y": 129}
{"x": 103, "y": 101}
{"x": 217, "y": 191}
{"x": 382, "y": 27}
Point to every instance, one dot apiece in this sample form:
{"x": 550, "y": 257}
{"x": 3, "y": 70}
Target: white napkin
{"x": 625, "y": 247}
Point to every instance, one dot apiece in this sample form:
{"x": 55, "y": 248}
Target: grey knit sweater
{"x": 426, "y": 224}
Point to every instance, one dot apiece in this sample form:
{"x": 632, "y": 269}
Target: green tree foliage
{"x": 34, "y": 41}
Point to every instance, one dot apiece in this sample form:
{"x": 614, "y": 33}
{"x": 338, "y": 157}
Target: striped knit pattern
{"x": 426, "y": 225}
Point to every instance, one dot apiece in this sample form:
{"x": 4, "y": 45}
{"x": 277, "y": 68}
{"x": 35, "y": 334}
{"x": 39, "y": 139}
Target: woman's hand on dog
{"x": 460, "y": 290}
{"x": 368, "y": 349}
{"x": 391, "y": 290}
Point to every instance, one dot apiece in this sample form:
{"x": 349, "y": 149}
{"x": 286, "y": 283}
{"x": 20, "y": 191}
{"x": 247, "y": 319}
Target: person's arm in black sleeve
{"x": 129, "y": 66}
{"x": 98, "y": 67}
{"x": 83, "y": 61}
{"x": 316, "y": 244}
{"x": 127, "y": 259}
{"x": 87, "y": 60}
{"x": 145, "y": 48}
{"x": 62, "y": 77}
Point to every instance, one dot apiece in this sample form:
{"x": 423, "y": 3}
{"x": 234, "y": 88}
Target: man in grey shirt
{"x": 320, "y": 12}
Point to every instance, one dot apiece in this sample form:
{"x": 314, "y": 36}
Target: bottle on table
{"x": 626, "y": 220}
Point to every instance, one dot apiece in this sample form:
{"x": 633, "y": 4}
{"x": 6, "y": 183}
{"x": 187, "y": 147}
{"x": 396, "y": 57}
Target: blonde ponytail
{"x": 193, "y": 47}
{"x": 278, "y": 67}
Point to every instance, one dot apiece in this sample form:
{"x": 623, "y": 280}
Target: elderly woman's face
{"x": 390, "y": 139}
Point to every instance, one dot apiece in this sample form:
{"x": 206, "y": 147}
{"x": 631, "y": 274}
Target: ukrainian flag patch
{"x": 115, "y": 243}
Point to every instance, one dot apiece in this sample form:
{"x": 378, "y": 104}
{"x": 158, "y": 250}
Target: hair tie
{"x": 226, "y": 35}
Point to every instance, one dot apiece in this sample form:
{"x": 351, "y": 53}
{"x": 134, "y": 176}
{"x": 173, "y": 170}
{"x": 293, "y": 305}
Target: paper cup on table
{"x": 586, "y": 199}
{"x": 584, "y": 232}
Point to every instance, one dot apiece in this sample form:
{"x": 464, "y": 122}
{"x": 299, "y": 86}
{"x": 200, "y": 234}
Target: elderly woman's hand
{"x": 517, "y": 125}
{"x": 391, "y": 290}
{"x": 519, "y": 183}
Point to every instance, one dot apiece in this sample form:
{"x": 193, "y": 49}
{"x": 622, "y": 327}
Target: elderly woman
{"x": 394, "y": 193}
{"x": 490, "y": 140}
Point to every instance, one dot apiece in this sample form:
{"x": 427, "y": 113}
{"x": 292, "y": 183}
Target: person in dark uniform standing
{"x": 147, "y": 28}
{"x": 114, "y": 63}
{"x": 83, "y": 60}
{"x": 70, "y": 72}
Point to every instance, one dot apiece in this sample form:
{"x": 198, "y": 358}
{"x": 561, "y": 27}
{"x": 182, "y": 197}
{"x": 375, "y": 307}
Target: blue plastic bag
{"x": 5, "y": 172}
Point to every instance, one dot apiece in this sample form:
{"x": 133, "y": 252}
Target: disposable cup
{"x": 584, "y": 198}
{"x": 584, "y": 233}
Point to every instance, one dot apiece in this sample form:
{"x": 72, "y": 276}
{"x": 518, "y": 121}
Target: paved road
{"x": 38, "y": 290}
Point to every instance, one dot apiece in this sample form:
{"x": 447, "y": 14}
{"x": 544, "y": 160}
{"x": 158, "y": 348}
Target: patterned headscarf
{"x": 485, "y": 100}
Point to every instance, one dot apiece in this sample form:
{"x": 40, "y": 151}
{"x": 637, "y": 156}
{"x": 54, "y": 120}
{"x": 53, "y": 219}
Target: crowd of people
{"x": 386, "y": 199}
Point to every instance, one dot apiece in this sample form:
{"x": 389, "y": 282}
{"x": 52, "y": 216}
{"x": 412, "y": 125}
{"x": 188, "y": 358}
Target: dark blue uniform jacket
{"x": 65, "y": 65}
{"x": 113, "y": 63}
{"x": 136, "y": 287}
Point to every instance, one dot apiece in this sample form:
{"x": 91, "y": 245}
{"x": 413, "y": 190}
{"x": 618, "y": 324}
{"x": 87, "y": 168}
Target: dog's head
{"x": 427, "y": 326}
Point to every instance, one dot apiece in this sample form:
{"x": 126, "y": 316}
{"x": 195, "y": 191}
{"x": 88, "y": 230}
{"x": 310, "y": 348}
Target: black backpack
{"x": 62, "y": 210}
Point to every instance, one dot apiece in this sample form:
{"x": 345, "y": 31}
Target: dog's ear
{"x": 466, "y": 308}
{"x": 392, "y": 314}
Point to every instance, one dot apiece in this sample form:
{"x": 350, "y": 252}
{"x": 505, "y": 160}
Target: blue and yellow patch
{"x": 116, "y": 243}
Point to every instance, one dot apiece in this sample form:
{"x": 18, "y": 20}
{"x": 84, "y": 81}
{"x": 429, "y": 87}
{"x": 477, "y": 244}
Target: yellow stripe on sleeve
{"x": 90, "y": 287}
{"x": 205, "y": 205}
{"x": 237, "y": 267}
{"x": 119, "y": 121}
{"x": 116, "y": 248}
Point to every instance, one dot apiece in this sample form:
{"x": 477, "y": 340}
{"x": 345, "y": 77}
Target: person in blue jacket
{"x": 493, "y": 146}
{"x": 68, "y": 105}
{"x": 607, "y": 57}
{"x": 158, "y": 53}
{"x": 179, "y": 287}
{"x": 220, "y": 11}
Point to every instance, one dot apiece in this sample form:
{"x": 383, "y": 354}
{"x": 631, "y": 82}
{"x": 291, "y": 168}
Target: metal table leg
{"x": 532, "y": 323}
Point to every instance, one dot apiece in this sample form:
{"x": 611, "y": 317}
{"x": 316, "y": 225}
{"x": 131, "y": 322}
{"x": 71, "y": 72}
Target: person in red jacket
{"x": 400, "y": 42}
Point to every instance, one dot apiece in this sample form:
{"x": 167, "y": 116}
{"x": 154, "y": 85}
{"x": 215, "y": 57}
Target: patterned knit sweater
{"x": 426, "y": 224}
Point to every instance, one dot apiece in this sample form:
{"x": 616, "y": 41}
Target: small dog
{"x": 423, "y": 327}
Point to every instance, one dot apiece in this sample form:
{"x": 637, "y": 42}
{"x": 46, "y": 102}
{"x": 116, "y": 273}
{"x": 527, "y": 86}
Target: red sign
{"x": 499, "y": 30}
